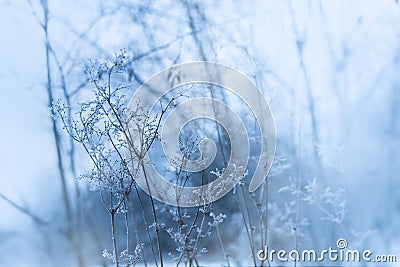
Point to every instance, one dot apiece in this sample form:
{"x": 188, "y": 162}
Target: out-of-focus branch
{"x": 35, "y": 218}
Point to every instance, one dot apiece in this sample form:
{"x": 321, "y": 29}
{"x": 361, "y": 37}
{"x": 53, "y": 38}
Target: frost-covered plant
{"x": 126, "y": 259}
{"x": 287, "y": 219}
{"x": 190, "y": 226}
{"x": 189, "y": 236}
{"x": 103, "y": 126}
{"x": 331, "y": 203}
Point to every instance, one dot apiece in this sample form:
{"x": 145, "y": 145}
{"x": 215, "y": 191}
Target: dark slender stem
{"x": 154, "y": 215}
{"x": 114, "y": 239}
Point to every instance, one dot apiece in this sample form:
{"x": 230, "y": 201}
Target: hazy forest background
{"x": 330, "y": 71}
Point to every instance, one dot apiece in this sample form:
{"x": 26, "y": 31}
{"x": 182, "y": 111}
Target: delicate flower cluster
{"x": 189, "y": 236}
{"x": 128, "y": 260}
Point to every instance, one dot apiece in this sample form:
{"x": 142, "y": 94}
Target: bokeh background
{"x": 329, "y": 69}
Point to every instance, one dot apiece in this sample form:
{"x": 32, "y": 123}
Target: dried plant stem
{"x": 114, "y": 239}
{"x": 138, "y": 236}
{"x": 154, "y": 213}
{"x": 249, "y": 235}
